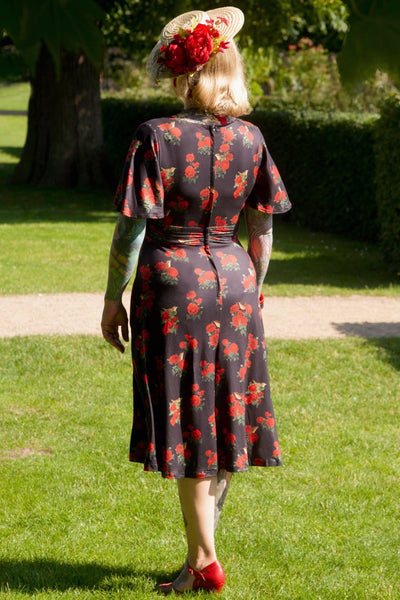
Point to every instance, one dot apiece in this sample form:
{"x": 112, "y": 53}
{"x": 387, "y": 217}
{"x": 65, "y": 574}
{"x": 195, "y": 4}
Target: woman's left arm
{"x": 259, "y": 229}
{"x": 125, "y": 246}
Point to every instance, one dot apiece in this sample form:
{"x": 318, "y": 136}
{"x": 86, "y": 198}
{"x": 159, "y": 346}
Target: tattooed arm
{"x": 259, "y": 229}
{"x": 128, "y": 237}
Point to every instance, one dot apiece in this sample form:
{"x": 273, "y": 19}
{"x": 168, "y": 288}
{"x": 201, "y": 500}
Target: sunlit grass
{"x": 78, "y": 521}
{"x": 14, "y": 96}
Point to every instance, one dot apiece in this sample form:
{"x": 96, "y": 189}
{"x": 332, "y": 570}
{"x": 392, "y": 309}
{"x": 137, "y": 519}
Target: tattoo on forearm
{"x": 259, "y": 227}
{"x": 128, "y": 237}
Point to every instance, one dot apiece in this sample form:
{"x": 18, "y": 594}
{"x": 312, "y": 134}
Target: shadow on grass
{"x": 389, "y": 350}
{"x": 13, "y": 151}
{"x": 30, "y": 576}
{"x": 369, "y": 330}
{"x": 28, "y": 204}
{"x": 329, "y": 270}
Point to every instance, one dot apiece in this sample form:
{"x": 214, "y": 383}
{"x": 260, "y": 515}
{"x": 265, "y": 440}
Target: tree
{"x": 61, "y": 43}
{"x": 372, "y": 42}
{"x": 134, "y": 25}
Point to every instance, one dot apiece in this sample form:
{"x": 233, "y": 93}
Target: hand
{"x": 115, "y": 316}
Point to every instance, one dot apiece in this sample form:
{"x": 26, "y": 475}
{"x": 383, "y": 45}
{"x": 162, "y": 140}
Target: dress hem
{"x": 204, "y": 474}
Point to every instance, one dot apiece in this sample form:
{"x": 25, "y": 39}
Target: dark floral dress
{"x": 201, "y": 390}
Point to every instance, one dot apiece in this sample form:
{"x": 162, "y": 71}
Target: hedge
{"x": 327, "y": 162}
{"x": 387, "y": 151}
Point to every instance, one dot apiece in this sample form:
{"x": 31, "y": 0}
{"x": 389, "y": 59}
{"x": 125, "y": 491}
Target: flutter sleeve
{"x": 269, "y": 194}
{"x": 140, "y": 192}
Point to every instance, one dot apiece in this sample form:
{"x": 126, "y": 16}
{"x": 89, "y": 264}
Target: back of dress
{"x": 201, "y": 390}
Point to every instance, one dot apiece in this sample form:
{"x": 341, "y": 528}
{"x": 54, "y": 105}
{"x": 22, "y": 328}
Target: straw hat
{"x": 227, "y": 20}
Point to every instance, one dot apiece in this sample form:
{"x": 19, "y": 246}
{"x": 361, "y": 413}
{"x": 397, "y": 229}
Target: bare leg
{"x": 223, "y": 481}
{"x": 197, "y": 498}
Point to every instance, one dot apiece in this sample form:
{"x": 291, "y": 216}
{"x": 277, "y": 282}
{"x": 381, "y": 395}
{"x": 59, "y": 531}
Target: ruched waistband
{"x": 191, "y": 236}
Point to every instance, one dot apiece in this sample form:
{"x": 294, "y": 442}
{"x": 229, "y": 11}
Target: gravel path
{"x": 284, "y": 318}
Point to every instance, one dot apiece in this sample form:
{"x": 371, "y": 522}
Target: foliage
{"x": 59, "y": 24}
{"x": 305, "y": 76}
{"x": 372, "y": 42}
{"x": 387, "y": 151}
{"x": 79, "y": 522}
{"x": 134, "y": 25}
{"x": 327, "y": 162}
{"x": 121, "y": 116}
{"x": 12, "y": 67}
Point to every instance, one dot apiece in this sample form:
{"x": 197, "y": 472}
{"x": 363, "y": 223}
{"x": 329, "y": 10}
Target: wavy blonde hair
{"x": 219, "y": 88}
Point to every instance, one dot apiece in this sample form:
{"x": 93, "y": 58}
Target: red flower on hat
{"x": 198, "y": 46}
{"x": 192, "y": 48}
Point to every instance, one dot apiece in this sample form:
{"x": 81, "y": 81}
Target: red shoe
{"x": 211, "y": 578}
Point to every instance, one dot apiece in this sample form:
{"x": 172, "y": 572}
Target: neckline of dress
{"x": 205, "y": 118}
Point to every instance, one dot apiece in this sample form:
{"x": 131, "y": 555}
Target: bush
{"x": 327, "y": 162}
{"x": 306, "y": 77}
{"x": 121, "y": 117}
{"x": 387, "y": 151}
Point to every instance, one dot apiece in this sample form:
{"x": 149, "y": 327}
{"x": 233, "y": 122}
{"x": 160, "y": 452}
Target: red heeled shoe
{"x": 211, "y": 578}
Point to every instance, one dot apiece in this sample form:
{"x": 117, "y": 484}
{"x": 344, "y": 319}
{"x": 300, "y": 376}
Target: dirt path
{"x": 285, "y": 318}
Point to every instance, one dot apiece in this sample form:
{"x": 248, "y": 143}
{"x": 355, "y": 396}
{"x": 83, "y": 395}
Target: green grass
{"x": 77, "y": 521}
{"x": 14, "y": 96}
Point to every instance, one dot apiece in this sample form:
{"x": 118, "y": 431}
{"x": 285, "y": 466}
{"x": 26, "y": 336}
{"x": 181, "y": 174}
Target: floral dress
{"x": 200, "y": 379}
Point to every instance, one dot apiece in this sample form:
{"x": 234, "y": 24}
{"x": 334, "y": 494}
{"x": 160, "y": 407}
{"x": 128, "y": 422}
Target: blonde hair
{"x": 219, "y": 88}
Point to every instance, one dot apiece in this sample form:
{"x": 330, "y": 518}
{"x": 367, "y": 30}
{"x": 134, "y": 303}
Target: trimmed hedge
{"x": 387, "y": 151}
{"x": 121, "y": 117}
{"x": 327, "y": 162}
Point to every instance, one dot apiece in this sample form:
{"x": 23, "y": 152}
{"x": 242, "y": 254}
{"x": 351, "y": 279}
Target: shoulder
{"x": 159, "y": 127}
{"x": 249, "y": 131}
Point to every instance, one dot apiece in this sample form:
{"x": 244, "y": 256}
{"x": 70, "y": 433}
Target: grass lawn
{"x": 78, "y": 521}
{"x": 14, "y": 96}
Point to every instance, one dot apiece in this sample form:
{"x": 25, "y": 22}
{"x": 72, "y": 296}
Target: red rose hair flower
{"x": 192, "y": 48}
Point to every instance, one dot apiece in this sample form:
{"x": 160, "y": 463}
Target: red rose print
{"x": 171, "y": 271}
{"x": 167, "y": 455}
{"x": 228, "y": 134}
{"x": 193, "y": 309}
{"x": 230, "y": 438}
{"x": 279, "y": 196}
{"x": 175, "y": 132}
{"x": 241, "y": 461}
{"x": 145, "y": 272}
{"x": 149, "y": 155}
{"x": 190, "y": 172}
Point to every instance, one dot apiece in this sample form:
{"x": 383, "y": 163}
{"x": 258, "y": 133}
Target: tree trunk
{"x": 64, "y": 144}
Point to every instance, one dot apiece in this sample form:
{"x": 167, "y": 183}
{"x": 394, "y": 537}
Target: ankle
{"x": 200, "y": 562}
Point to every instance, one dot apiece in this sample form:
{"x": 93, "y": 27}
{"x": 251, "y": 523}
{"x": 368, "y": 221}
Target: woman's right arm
{"x": 259, "y": 229}
{"x": 125, "y": 246}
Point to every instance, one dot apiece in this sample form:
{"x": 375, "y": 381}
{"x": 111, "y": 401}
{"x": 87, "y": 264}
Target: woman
{"x": 202, "y": 406}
